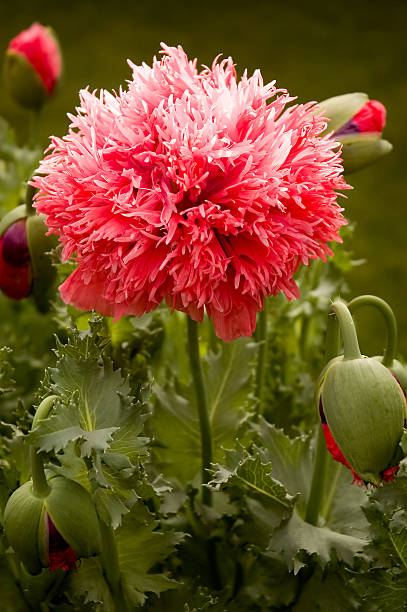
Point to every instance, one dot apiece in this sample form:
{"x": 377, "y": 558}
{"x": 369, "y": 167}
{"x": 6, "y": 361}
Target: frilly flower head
{"x": 191, "y": 187}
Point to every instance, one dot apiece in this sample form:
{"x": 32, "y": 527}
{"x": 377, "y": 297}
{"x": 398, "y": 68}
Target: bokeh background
{"x": 314, "y": 49}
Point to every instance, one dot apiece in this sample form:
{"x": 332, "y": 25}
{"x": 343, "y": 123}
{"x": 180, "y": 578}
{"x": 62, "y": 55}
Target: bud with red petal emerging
{"x": 55, "y": 529}
{"x": 33, "y": 66}
{"x": 362, "y": 409}
{"x": 357, "y": 123}
{"x": 25, "y": 267}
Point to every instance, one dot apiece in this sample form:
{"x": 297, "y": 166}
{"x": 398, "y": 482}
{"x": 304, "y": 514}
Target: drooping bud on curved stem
{"x": 362, "y": 408}
{"x": 389, "y": 318}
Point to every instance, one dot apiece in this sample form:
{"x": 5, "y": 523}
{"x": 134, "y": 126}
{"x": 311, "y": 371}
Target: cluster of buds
{"x": 25, "y": 265}
{"x": 362, "y": 406}
{"x": 357, "y": 124}
{"x": 33, "y": 66}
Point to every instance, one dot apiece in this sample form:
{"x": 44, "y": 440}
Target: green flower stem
{"x": 202, "y": 405}
{"x": 110, "y": 562}
{"x": 390, "y": 320}
{"x": 317, "y": 490}
{"x": 34, "y": 129}
{"x": 350, "y": 340}
{"x": 261, "y": 337}
{"x": 40, "y": 484}
{"x": 318, "y": 480}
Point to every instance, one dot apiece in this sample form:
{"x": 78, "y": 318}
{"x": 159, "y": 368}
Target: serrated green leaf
{"x": 297, "y": 536}
{"x": 175, "y": 420}
{"x": 140, "y": 548}
{"x": 386, "y": 512}
{"x": 63, "y": 426}
{"x": 88, "y": 585}
{"x": 326, "y": 591}
{"x": 244, "y": 470}
{"x": 109, "y": 506}
{"x": 342, "y": 535}
{"x": 190, "y": 598}
{"x": 97, "y": 387}
{"x": 383, "y": 591}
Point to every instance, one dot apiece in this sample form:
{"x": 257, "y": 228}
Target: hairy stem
{"x": 261, "y": 337}
{"x": 350, "y": 340}
{"x": 202, "y": 405}
{"x": 41, "y": 487}
{"x": 321, "y": 454}
{"x": 111, "y": 568}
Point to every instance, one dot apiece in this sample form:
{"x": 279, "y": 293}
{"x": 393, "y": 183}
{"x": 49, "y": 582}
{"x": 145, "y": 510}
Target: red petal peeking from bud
{"x": 60, "y": 554}
{"x": 40, "y": 48}
{"x": 332, "y": 447}
{"x": 15, "y": 248}
{"x": 371, "y": 117}
{"x": 15, "y": 281}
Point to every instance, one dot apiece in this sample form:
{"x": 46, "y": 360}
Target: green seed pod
{"x": 67, "y": 510}
{"x": 365, "y": 409}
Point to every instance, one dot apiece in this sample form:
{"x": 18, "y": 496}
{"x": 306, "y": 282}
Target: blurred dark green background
{"x": 314, "y": 49}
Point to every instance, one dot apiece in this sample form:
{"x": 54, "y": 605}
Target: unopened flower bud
{"x": 52, "y": 531}
{"x": 33, "y": 66}
{"x": 25, "y": 267}
{"x": 362, "y": 410}
{"x": 357, "y": 123}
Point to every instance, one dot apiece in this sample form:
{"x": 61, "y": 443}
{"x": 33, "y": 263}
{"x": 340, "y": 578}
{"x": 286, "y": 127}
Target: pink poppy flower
{"x": 191, "y": 187}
